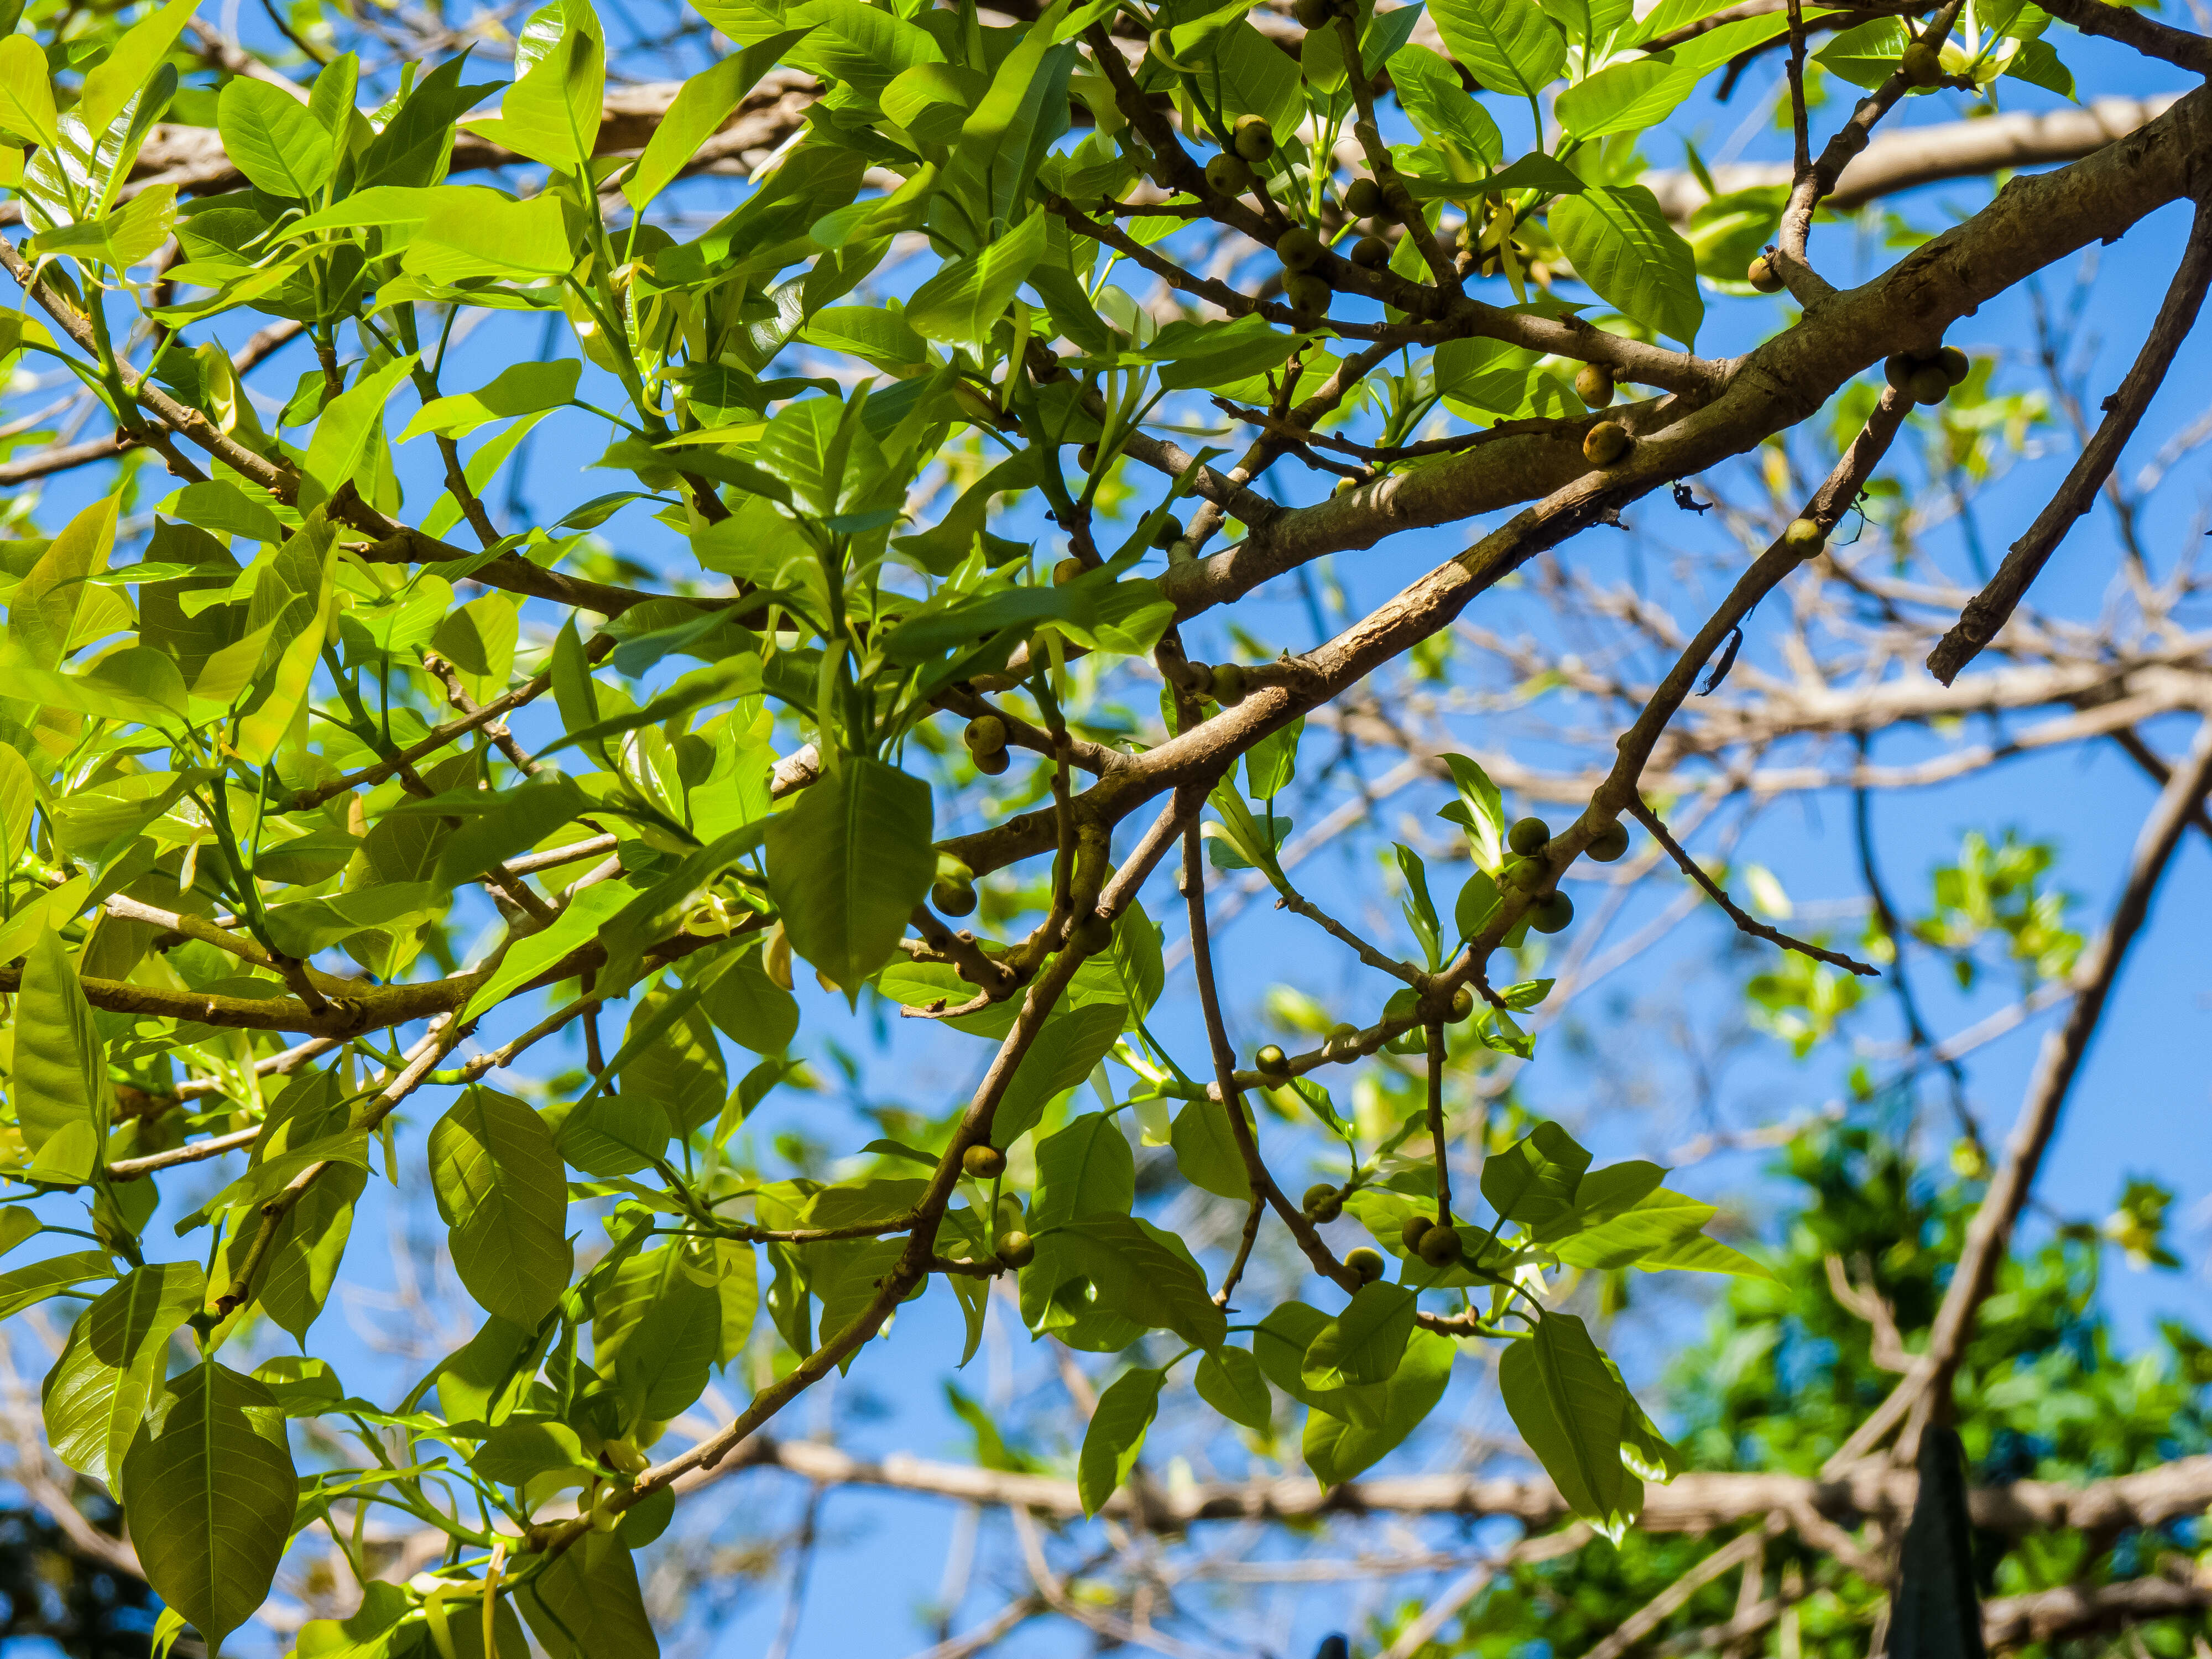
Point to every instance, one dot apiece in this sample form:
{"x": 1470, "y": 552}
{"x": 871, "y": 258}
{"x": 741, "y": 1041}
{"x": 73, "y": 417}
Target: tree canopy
{"x": 362, "y": 826}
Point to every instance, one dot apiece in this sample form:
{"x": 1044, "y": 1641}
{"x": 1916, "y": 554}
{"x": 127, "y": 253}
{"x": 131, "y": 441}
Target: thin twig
{"x": 1746, "y": 922}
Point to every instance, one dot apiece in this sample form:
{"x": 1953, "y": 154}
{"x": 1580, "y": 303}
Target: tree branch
{"x": 1987, "y": 611}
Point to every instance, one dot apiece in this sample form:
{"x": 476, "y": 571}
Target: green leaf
{"x": 1663, "y": 1231}
{"x": 306, "y": 926}
{"x": 1071, "y": 1044}
{"x": 1142, "y": 1278}
{"x": 209, "y": 1491}
{"x": 63, "y": 1100}
{"x": 500, "y": 1188}
{"x": 33, "y": 1282}
{"x": 576, "y": 926}
{"x": 114, "y": 1362}
{"x": 125, "y": 73}
{"x": 351, "y": 422}
{"x": 962, "y": 302}
{"x": 657, "y": 1330}
{"x": 1207, "y": 1152}
{"x": 1365, "y": 1342}
{"x": 1430, "y": 93}
{"x": 680, "y": 1067}
{"x": 552, "y": 113}
{"x": 1570, "y": 1406}
{"x": 1510, "y": 45}
{"x": 585, "y": 1605}
{"x": 471, "y": 232}
{"x": 1116, "y": 1435}
{"x": 848, "y": 865}
{"x": 1484, "y": 814}
{"x": 1866, "y": 56}
{"x": 310, "y": 1241}
{"x": 271, "y": 138}
{"x": 699, "y": 108}
{"x": 1338, "y": 1448}
{"x": 27, "y": 93}
{"x": 1086, "y": 1169}
{"x": 1622, "y": 247}
{"x": 1231, "y": 1380}
{"x": 749, "y": 1007}
{"x": 518, "y": 389}
{"x": 736, "y": 1286}
{"x": 1534, "y": 1180}
{"x": 516, "y": 1452}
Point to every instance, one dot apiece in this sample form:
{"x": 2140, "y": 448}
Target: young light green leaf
{"x": 1534, "y": 1180}
{"x": 585, "y": 1605}
{"x": 1373, "y": 1422}
{"x": 699, "y": 108}
{"x": 962, "y": 302}
{"x": 271, "y": 138}
{"x": 1137, "y": 1275}
{"x": 657, "y": 1330}
{"x": 518, "y": 389}
{"x": 1060, "y": 1056}
{"x": 500, "y": 1189}
{"x": 27, "y": 93}
{"x": 1207, "y": 1152}
{"x": 1116, "y": 1435}
{"x": 62, "y": 1097}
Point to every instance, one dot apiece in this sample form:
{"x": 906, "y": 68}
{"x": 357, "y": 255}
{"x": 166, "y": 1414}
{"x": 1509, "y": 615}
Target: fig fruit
{"x": 1228, "y": 174}
{"x": 953, "y": 898}
{"x": 1594, "y": 385}
{"x": 1955, "y": 364}
{"x": 1371, "y": 253}
{"x": 1322, "y": 1202}
{"x": 1306, "y": 292}
{"x": 1606, "y": 443}
{"x": 1367, "y": 1263}
{"x": 1092, "y": 933}
{"x": 1066, "y": 571}
{"x": 984, "y": 1161}
{"x": 1298, "y": 248}
{"x": 1921, "y": 65}
{"x": 1312, "y": 14}
{"x": 991, "y": 764}
{"x": 1017, "y": 1248}
{"x": 1609, "y": 844}
{"x": 1529, "y": 837}
{"x": 1552, "y": 912}
{"x": 1763, "y": 276}
{"x": 1228, "y": 687}
{"x": 1440, "y": 1246}
{"x": 1169, "y": 533}
{"x": 1362, "y": 198}
{"x": 986, "y": 734}
{"x": 1254, "y": 138}
{"x": 1804, "y": 538}
{"x": 1272, "y": 1061}
{"x": 1413, "y": 1232}
{"x": 1930, "y": 384}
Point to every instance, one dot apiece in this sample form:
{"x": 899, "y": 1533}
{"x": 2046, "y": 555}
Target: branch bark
{"x": 1987, "y": 611}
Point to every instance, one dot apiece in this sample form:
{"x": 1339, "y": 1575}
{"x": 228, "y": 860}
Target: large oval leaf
{"x": 500, "y": 1189}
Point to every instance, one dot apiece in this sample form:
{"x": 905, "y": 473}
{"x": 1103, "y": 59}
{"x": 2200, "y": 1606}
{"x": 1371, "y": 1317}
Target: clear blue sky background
{"x": 2138, "y": 1109}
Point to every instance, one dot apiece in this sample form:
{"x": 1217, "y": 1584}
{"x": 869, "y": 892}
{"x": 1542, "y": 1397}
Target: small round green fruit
{"x": 984, "y": 1161}
{"x": 1343, "y": 1036}
{"x": 1253, "y": 136}
{"x": 993, "y": 763}
{"x": 1307, "y": 291}
{"x": 986, "y": 734}
{"x": 1169, "y": 533}
{"x": 1763, "y": 276}
{"x": 953, "y": 898}
{"x": 1017, "y": 1248}
{"x": 1066, "y": 571}
{"x": 1594, "y": 385}
{"x": 1440, "y": 1245}
{"x": 1366, "y": 1263}
{"x": 1921, "y": 65}
{"x": 1413, "y": 1232}
{"x": 1312, "y": 14}
{"x": 1897, "y": 370}
{"x": 1228, "y": 174}
{"x": 1463, "y": 1003}
{"x": 1552, "y": 912}
{"x": 1229, "y": 684}
{"x": 1272, "y": 1061}
{"x": 1606, "y": 443}
{"x": 1930, "y": 384}
{"x": 1298, "y": 248}
{"x": 1362, "y": 198}
{"x": 1804, "y": 538}
{"x": 1322, "y": 1203}
{"x": 1529, "y": 837}
{"x": 1955, "y": 364}
{"x": 1087, "y": 458}
{"x": 1371, "y": 253}
{"x": 1609, "y": 844}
